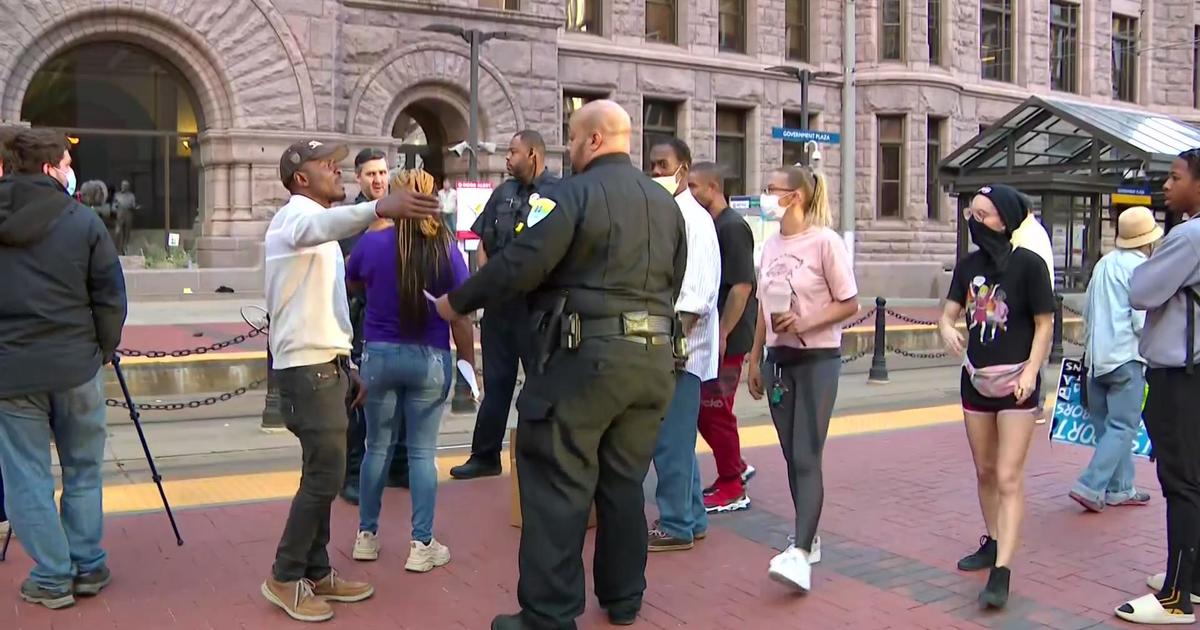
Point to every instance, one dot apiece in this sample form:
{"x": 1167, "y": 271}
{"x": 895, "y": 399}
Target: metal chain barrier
{"x": 911, "y": 320}
{"x": 941, "y": 354}
{"x": 1072, "y": 311}
{"x": 191, "y": 404}
{"x": 856, "y": 356}
{"x": 220, "y": 345}
{"x": 868, "y": 315}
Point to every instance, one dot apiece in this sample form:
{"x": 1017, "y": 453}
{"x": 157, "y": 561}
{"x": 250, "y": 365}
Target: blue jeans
{"x": 1115, "y": 406}
{"x": 65, "y": 546}
{"x": 679, "y": 494}
{"x": 405, "y": 383}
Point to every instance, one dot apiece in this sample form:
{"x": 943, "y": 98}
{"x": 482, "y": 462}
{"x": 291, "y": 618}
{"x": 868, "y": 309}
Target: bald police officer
{"x": 602, "y": 257}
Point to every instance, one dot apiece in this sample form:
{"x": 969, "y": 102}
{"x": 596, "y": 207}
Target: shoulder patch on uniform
{"x": 539, "y": 208}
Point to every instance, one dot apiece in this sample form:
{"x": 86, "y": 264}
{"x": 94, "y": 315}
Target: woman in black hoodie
{"x": 1008, "y": 303}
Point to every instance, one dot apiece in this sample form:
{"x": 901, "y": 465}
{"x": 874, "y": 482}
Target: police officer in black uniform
{"x": 505, "y": 336}
{"x": 602, "y": 257}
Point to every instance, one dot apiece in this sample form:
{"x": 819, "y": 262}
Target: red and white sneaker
{"x": 727, "y": 498}
{"x": 747, "y": 475}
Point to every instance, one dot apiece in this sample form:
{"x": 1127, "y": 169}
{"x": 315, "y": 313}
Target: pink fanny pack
{"x": 995, "y": 381}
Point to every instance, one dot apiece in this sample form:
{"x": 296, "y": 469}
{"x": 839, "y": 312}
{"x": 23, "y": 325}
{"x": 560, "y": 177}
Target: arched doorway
{"x": 426, "y": 129}
{"x": 131, "y": 116}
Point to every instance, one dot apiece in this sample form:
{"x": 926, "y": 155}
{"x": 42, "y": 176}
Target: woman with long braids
{"x": 407, "y": 365}
{"x": 1166, "y": 287}
{"x": 1004, "y": 295}
{"x": 806, "y": 291}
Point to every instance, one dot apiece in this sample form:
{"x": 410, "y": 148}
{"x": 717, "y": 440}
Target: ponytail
{"x": 816, "y": 191}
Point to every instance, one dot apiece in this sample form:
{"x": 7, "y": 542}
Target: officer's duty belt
{"x": 637, "y": 327}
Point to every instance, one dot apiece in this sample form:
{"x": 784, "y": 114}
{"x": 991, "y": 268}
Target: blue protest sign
{"x": 1072, "y": 424}
{"x": 788, "y": 134}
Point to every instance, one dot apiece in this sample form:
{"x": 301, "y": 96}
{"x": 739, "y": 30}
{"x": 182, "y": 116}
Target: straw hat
{"x": 1136, "y": 228}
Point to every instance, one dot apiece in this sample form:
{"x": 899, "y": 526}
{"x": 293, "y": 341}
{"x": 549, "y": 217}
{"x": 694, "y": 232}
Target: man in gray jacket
{"x": 1165, "y": 287}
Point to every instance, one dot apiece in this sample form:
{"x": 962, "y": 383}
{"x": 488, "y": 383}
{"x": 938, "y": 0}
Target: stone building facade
{"x": 262, "y": 73}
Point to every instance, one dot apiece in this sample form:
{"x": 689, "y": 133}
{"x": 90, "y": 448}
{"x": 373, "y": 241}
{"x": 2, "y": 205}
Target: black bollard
{"x": 879, "y": 372}
{"x": 272, "y": 417}
{"x": 1056, "y": 348}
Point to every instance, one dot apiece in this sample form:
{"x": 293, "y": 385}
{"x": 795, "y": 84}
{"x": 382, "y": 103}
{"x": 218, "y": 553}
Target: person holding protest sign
{"x": 1005, "y": 294}
{"x": 1165, "y": 286}
{"x": 1116, "y": 381}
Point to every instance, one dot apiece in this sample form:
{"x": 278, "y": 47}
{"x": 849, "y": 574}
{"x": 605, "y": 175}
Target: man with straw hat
{"x": 1116, "y": 381}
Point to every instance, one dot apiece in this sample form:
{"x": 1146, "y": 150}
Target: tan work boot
{"x": 297, "y": 599}
{"x": 335, "y": 589}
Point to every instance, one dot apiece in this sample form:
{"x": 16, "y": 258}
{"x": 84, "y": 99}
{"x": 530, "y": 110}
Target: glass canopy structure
{"x": 1074, "y": 160}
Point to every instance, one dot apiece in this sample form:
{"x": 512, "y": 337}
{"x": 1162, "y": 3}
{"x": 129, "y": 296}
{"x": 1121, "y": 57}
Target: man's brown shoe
{"x": 297, "y": 599}
{"x": 335, "y": 589}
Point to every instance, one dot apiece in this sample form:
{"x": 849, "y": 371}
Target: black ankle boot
{"x": 995, "y": 594}
{"x": 985, "y": 558}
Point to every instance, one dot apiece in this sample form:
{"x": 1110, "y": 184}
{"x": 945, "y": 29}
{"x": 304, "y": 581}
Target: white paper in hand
{"x": 429, "y": 296}
{"x": 468, "y": 374}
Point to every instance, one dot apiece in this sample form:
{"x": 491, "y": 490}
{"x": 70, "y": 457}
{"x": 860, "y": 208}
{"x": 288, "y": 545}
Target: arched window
{"x": 131, "y": 117}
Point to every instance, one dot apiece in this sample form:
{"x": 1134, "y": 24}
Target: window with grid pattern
{"x": 890, "y": 167}
{"x": 731, "y": 148}
{"x": 660, "y": 21}
{"x": 797, "y": 30}
{"x": 660, "y": 121}
{"x": 1064, "y": 46}
{"x": 891, "y": 30}
{"x": 995, "y": 39}
{"x": 583, "y": 16}
{"x": 1124, "y": 58}
{"x": 731, "y": 25}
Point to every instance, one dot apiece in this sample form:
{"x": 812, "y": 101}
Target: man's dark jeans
{"x": 312, "y": 399}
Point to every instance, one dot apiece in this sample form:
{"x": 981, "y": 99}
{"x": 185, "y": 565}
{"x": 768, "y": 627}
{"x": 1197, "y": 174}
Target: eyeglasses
{"x": 774, "y": 190}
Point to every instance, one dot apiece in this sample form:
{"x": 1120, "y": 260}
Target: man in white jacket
{"x": 679, "y": 495}
{"x": 310, "y": 344}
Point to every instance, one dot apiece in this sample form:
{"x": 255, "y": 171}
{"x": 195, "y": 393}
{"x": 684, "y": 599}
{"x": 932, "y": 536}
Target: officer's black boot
{"x": 618, "y": 616}
{"x": 478, "y": 466}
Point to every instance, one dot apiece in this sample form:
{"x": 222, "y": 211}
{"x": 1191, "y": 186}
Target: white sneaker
{"x": 792, "y": 569}
{"x": 423, "y": 558}
{"x": 4, "y": 529}
{"x": 366, "y": 547}
{"x": 814, "y": 554}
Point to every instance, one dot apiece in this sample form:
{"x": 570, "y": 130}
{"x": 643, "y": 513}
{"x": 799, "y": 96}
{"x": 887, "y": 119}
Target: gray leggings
{"x": 801, "y": 419}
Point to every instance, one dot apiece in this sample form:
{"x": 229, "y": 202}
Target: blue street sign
{"x": 1134, "y": 189}
{"x": 804, "y": 135}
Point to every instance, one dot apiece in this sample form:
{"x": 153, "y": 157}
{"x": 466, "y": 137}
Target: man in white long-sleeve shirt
{"x": 683, "y": 519}
{"x": 310, "y": 345}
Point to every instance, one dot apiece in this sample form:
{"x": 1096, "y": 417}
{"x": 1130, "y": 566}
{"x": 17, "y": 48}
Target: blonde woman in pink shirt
{"x": 806, "y": 290}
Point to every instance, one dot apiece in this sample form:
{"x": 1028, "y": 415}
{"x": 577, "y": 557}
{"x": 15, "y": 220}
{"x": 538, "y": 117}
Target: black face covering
{"x": 1012, "y": 207}
{"x": 997, "y": 245}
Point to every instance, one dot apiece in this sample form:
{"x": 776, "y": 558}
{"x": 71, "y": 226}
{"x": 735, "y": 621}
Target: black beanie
{"x": 1010, "y": 203}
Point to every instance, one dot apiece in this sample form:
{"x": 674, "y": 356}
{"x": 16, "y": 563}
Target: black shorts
{"x": 972, "y": 400}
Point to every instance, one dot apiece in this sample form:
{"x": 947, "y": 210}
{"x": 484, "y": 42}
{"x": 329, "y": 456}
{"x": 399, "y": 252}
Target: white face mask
{"x": 669, "y": 182}
{"x": 70, "y": 185}
{"x": 770, "y": 206}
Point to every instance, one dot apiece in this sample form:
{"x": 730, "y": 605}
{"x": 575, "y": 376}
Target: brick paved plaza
{"x": 900, "y": 510}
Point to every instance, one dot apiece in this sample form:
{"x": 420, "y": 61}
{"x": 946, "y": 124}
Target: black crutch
{"x": 136, "y": 417}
